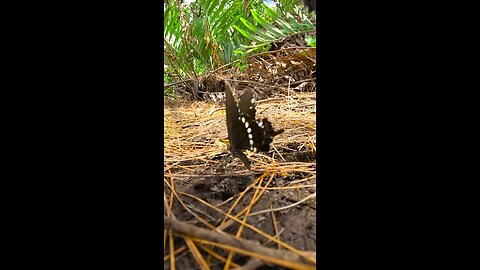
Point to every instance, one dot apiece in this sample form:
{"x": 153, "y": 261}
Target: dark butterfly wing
{"x": 232, "y": 112}
{"x": 260, "y": 133}
{"x": 247, "y": 105}
{"x": 235, "y": 132}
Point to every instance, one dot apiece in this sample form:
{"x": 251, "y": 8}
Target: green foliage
{"x": 271, "y": 27}
{"x": 210, "y": 33}
{"x": 311, "y": 41}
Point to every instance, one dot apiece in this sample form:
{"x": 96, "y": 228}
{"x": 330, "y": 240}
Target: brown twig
{"x": 239, "y": 244}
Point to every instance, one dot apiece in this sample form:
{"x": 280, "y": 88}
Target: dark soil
{"x": 297, "y": 224}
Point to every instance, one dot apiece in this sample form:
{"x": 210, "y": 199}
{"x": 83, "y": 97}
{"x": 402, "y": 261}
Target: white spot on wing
{"x": 251, "y": 142}
{"x": 246, "y": 124}
{"x": 250, "y": 136}
{"x": 249, "y": 130}
{"x": 253, "y": 100}
{"x": 243, "y": 119}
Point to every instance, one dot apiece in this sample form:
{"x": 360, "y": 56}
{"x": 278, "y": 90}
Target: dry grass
{"x": 194, "y": 134}
{"x": 196, "y": 131}
{"x": 218, "y": 214}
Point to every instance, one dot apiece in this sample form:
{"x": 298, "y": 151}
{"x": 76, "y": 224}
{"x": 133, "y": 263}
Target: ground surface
{"x": 203, "y": 182}
{"x": 197, "y": 162}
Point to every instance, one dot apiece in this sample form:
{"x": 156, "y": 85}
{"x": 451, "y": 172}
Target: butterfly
{"x": 244, "y": 131}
